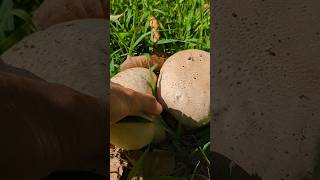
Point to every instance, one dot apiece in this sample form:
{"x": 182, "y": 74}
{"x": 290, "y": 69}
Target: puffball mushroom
{"x": 131, "y": 134}
{"x": 184, "y": 87}
{"x": 267, "y": 97}
{"x": 71, "y": 53}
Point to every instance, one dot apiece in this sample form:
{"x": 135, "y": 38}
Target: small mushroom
{"x": 131, "y": 134}
{"x": 184, "y": 87}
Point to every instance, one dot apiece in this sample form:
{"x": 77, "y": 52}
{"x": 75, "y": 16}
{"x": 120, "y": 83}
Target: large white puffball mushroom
{"x": 134, "y": 135}
{"x": 184, "y": 87}
{"x": 71, "y": 53}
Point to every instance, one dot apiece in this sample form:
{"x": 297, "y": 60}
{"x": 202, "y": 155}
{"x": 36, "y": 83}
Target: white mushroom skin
{"x": 184, "y": 87}
{"x": 267, "y": 87}
{"x": 136, "y": 135}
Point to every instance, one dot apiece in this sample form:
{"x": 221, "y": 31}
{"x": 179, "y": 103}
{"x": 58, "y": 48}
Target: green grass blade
{"x": 137, "y": 167}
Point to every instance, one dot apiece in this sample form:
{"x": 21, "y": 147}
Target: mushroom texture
{"x": 184, "y": 87}
{"x": 267, "y": 87}
{"x": 134, "y": 134}
{"x": 71, "y": 53}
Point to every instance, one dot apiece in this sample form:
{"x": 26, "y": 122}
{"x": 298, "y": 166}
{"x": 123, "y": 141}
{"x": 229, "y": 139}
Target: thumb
{"x": 147, "y": 105}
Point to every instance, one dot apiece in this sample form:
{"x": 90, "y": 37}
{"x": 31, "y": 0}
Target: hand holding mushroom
{"x": 127, "y": 102}
{"x": 183, "y": 89}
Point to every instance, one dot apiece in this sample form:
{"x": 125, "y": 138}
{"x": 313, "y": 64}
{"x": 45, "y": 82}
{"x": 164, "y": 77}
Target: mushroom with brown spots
{"x": 184, "y": 87}
{"x": 71, "y": 53}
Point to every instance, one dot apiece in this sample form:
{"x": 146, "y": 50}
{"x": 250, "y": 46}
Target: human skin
{"x": 131, "y": 103}
{"x": 47, "y": 127}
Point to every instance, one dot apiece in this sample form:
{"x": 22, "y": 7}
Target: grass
{"x": 16, "y": 21}
{"x": 184, "y": 24}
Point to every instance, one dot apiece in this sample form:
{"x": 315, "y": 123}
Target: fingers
{"x": 146, "y": 105}
{"x": 126, "y": 102}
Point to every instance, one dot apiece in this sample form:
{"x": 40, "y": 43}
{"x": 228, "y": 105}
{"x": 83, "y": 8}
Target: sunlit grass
{"x": 184, "y": 24}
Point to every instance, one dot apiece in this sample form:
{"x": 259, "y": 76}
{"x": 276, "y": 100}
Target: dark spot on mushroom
{"x": 32, "y": 46}
{"x": 272, "y": 53}
{"x": 286, "y": 152}
{"x": 239, "y": 82}
{"x": 279, "y": 40}
{"x": 56, "y": 41}
{"x": 288, "y": 54}
{"x": 194, "y": 78}
{"x": 190, "y": 58}
{"x": 79, "y": 39}
{"x": 234, "y": 15}
{"x": 303, "y": 97}
{"x": 200, "y": 55}
{"x": 318, "y": 33}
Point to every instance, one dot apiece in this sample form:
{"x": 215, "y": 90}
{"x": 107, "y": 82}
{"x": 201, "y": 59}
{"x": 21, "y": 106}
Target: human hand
{"x": 55, "y": 128}
{"x": 57, "y": 11}
{"x": 126, "y": 102}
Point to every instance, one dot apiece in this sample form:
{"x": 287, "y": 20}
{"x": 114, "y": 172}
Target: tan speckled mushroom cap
{"x": 71, "y": 53}
{"x": 135, "y": 79}
{"x": 184, "y": 86}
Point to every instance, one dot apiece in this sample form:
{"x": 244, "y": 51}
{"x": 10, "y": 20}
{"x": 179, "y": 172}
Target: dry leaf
{"x": 52, "y": 12}
{"x": 117, "y": 164}
{"x": 142, "y": 61}
{"x": 154, "y": 24}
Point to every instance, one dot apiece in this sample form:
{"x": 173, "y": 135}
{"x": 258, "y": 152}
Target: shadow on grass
{"x": 220, "y": 169}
